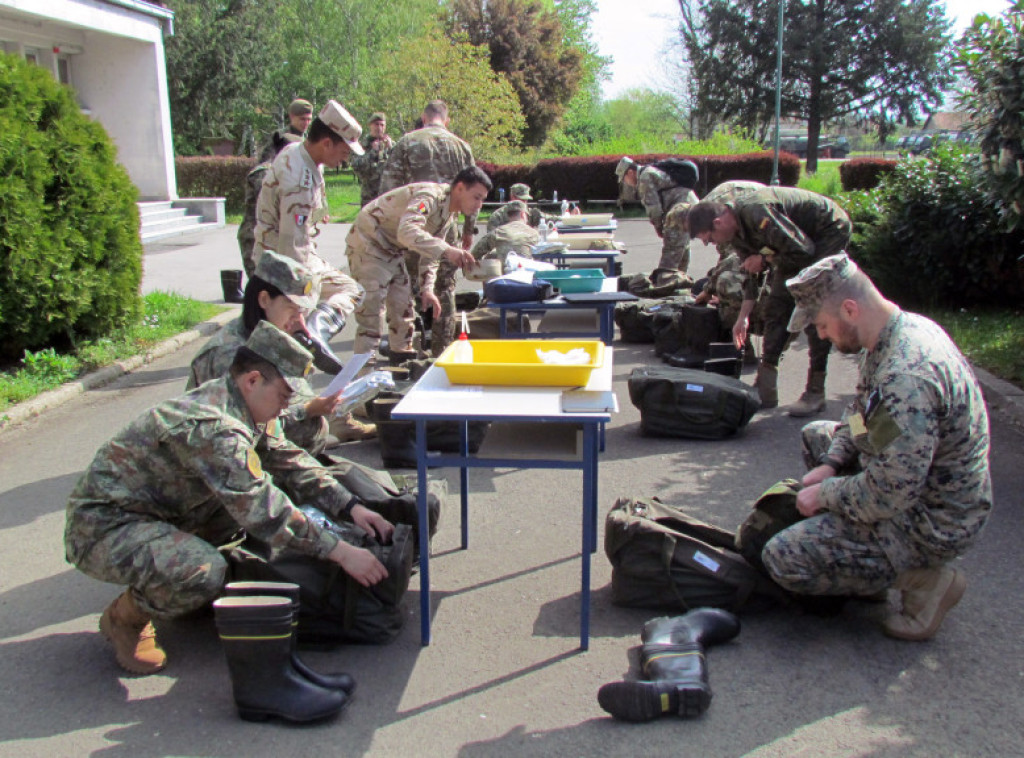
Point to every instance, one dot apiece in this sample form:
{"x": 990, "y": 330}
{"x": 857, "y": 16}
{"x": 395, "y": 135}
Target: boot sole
{"x": 954, "y": 592}
{"x": 260, "y": 715}
{"x": 128, "y": 664}
{"x": 646, "y": 701}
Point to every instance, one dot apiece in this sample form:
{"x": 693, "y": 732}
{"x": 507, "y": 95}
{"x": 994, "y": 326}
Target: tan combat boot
{"x": 131, "y": 632}
{"x": 928, "y": 595}
{"x": 348, "y": 429}
{"x": 767, "y": 385}
{"x": 813, "y": 399}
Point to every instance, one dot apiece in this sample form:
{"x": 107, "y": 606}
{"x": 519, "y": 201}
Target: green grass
{"x": 993, "y": 340}
{"x": 825, "y": 181}
{"x": 166, "y": 314}
{"x": 342, "y": 195}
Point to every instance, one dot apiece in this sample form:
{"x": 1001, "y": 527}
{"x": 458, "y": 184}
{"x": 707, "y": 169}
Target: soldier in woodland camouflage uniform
{"x": 659, "y": 193}
{"x": 786, "y": 229}
{"x": 515, "y": 235}
{"x": 253, "y": 184}
{"x": 521, "y": 193}
{"x": 369, "y": 167}
{"x": 300, "y": 115}
{"x": 414, "y": 217}
{"x": 187, "y": 476}
{"x": 433, "y": 154}
{"x": 903, "y": 485}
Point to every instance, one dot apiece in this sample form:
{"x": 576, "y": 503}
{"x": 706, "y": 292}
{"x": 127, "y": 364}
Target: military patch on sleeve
{"x": 764, "y": 223}
{"x": 300, "y": 220}
{"x": 252, "y": 462}
{"x": 307, "y": 179}
{"x": 421, "y": 207}
{"x": 767, "y": 252}
{"x": 272, "y": 427}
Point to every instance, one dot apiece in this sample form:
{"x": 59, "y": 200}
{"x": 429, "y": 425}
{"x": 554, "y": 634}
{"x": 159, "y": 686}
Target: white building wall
{"x": 117, "y": 70}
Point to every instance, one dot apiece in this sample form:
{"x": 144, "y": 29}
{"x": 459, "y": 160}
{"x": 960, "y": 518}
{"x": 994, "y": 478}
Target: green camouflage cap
{"x": 296, "y": 282}
{"x": 340, "y": 122}
{"x": 624, "y": 165}
{"x": 300, "y": 107}
{"x": 517, "y": 206}
{"x": 290, "y": 358}
{"x": 378, "y": 116}
{"x": 520, "y": 191}
{"x": 811, "y": 286}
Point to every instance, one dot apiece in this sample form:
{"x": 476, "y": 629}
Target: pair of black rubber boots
{"x": 256, "y": 622}
{"x": 673, "y": 666}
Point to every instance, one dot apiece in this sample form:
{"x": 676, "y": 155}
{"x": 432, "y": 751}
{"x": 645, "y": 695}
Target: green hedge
{"x": 70, "y": 254}
{"x": 214, "y": 176}
{"x": 864, "y": 173}
{"x": 593, "y": 177}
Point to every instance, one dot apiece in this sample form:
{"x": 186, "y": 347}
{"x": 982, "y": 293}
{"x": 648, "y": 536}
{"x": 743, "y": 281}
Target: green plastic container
{"x": 574, "y": 279}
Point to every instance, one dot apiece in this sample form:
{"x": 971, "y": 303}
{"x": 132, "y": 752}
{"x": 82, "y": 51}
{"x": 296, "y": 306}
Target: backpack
{"x": 636, "y": 319}
{"x": 774, "y": 511}
{"x": 681, "y": 402}
{"x": 664, "y": 559}
{"x": 688, "y": 335}
{"x": 683, "y": 172}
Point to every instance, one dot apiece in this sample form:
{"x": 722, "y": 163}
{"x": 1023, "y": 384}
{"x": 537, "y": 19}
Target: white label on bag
{"x": 694, "y": 387}
{"x": 706, "y": 561}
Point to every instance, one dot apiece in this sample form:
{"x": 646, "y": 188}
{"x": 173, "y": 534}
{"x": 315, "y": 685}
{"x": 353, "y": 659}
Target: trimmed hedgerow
{"x": 70, "y": 254}
{"x": 864, "y": 173}
{"x": 214, "y": 176}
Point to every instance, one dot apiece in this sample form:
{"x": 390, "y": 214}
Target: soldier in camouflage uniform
{"x": 300, "y": 114}
{"x": 659, "y": 193}
{"x": 902, "y": 486}
{"x": 786, "y": 229}
{"x": 433, "y": 154}
{"x": 520, "y": 193}
{"x": 189, "y": 475}
{"x": 369, "y": 167}
{"x": 414, "y": 217}
{"x": 515, "y": 235}
{"x": 281, "y": 292}
{"x": 253, "y": 184}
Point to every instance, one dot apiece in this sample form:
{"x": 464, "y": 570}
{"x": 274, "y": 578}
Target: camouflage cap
{"x": 624, "y": 165}
{"x": 300, "y": 107}
{"x": 296, "y": 282}
{"x": 340, "y": 122}
{"x": 517, "y": 206}
{"x": 378, "y": 116}
{"x": 290, "y": 358}
{"x": 811, "y": 286}
{"x": 520, "y": 191}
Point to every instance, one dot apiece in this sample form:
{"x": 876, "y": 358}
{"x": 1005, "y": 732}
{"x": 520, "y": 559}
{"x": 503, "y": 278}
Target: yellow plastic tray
{"x": 515, "y": 363}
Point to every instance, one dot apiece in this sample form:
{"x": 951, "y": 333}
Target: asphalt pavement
{"x": 503, "y": 676}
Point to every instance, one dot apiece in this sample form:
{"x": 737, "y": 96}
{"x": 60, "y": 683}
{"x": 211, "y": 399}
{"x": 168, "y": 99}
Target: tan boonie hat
{"x": 520, "y": 191}
{"x": 340, "y": 122}
{"x": 291, "y": 359}
{"x": 300, "y": 107}
{"x": 625, "y": 164}
{"x": 811, "y": 286}
{"x": 296, "y": 282}
{"x": 517, "y": 206}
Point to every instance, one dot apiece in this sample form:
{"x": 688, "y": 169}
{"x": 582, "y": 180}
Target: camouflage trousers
{"x": 778, "y": 307}
{"x": 170, "y": 570}
{"x": 310, "y": 434}
{"x": 339, "y": 290}
{"x": 388, "y": 297}
{"x": 246, "y": 242}
{"x": 726, "y": 281}
{"x": 675, "y": 240}
{"x": 442, "y": 332}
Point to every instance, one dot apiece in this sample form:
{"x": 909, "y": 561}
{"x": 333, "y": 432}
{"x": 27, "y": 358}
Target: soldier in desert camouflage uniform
{"x": 515, "y": 235}
{"x": 369, "y": 167}
{"x": 253, "y": 184}
{"x": 659, "y": 193}
{"x": 903, "y": 485}
{"x": 189, "y": 475}
{"x": 433, "y": 154}
{"x": 414, "y": 217}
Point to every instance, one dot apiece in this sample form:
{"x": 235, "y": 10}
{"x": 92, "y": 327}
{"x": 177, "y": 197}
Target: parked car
{"x": 829, "y": 146}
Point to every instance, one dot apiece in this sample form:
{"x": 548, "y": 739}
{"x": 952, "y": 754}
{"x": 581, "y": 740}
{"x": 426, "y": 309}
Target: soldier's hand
{"x": 372, "y": 522}
{"x": 753, "y": 264}
{"x": 739, "y": 333}
{"x": 460, "y": 258}
{"x": 323, "y": 406}
{"x": 817, "y": 475}
{"x": 808, "y": 500}
{"x": 467, "y": 240}
{"x": 360, "y": 564}
{"x": 429, "y": 302}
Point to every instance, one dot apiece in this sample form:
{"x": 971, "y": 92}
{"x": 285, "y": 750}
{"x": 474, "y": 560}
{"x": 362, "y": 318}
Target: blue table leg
{"x": 464, "y": 480}
{"x": 589, "y": 527}
{"x": 424, "y": 529}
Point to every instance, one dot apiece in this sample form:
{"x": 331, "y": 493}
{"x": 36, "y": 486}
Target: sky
{"x": 635, "y": 32}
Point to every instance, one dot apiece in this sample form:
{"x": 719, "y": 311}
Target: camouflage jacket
{"x": 369, "y": 167}
{"x": 515, "y": 235}
{"x": 919, "y": 430}
{"x": 658, "y": 192}
{"x": 791, "y": 227}
{"x": 185, "y": 459}
{"x": 500, "y": 217}
{"x": 213, "y": 361}
{"x": 247, "y": 229}
{"x": 431, "y": 154}
{"x": 727, "y": 275}
{"x": 291, "y": 203}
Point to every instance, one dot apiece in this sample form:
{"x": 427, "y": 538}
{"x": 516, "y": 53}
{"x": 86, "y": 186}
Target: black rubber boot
{"x": 257, "y": 636}
{"x": 674, "y": 669}
{"x": 333, "y": 681}
{"x": 321, "y": 325}
{"x": 231, "y": 285}
{"x": 397, "y": 439}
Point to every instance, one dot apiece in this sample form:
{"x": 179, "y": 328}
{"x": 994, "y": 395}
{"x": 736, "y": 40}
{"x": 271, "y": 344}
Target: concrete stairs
{"x": 170, "y": 218}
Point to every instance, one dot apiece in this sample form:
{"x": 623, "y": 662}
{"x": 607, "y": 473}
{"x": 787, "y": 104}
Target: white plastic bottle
{"x": 462, "y": 349}
{"x": 564, "y": 209}
{"x": 543, "y": 230}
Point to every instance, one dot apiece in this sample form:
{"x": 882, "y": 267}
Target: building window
{"x": 64, "y": 70}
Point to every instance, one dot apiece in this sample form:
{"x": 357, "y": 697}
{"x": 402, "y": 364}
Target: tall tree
{"x": 841, "y": 57}
{"x": 527, "y": 44}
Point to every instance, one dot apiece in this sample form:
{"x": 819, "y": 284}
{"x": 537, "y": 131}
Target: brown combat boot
{"x": 813, "y": 399}
{"x": 131, "y": 632}
{"x": 348, "y": 429}
{"x": 767, "y": 385}
{"x": 928, "y": 595}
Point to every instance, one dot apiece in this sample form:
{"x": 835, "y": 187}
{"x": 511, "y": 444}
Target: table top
{"x": 434, "y": 396}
